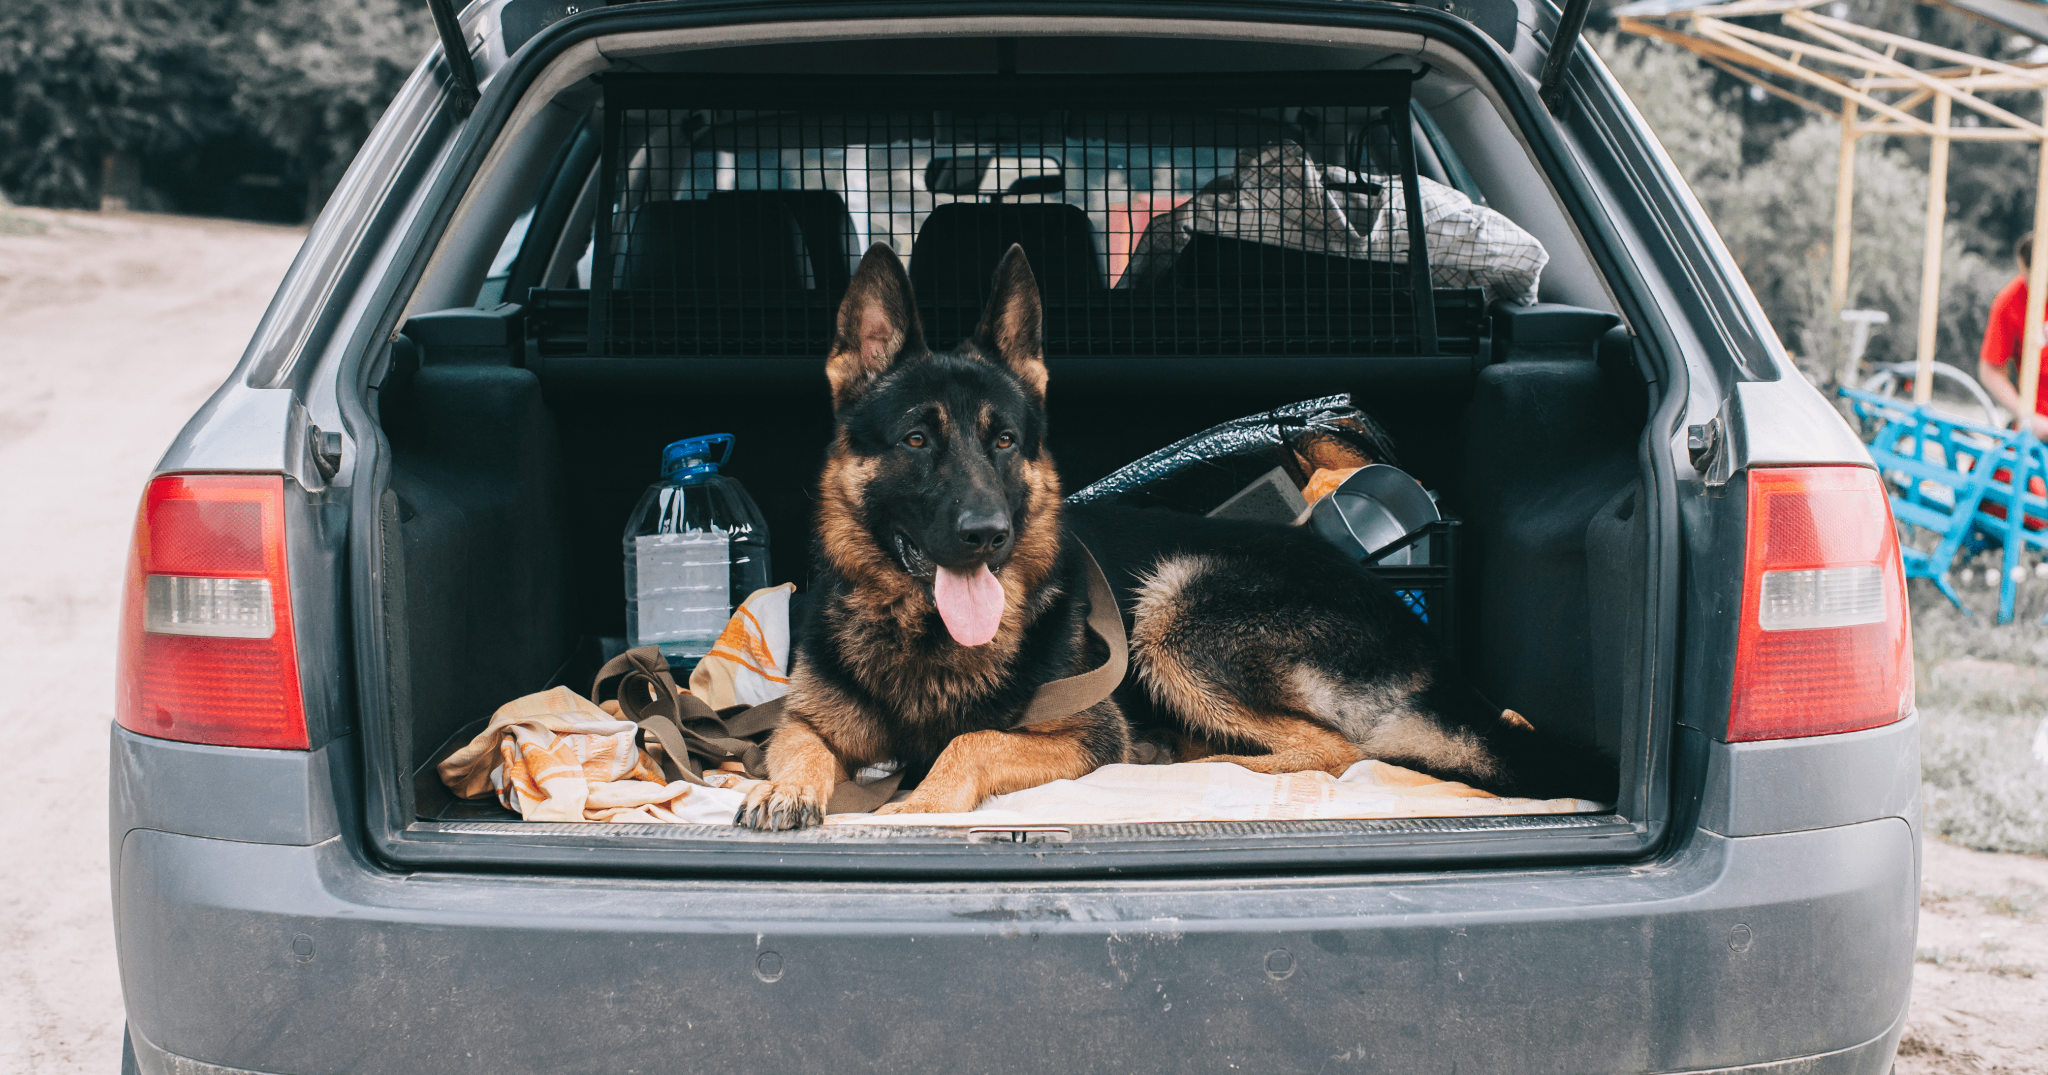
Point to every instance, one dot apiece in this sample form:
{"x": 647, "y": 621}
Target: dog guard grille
{"x": 1257, "y": 215}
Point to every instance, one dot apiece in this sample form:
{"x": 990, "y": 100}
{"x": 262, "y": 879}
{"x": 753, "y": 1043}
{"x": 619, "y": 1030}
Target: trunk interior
{"x": 517, "y": 451}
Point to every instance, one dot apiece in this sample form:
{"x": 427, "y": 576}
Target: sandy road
{"x": 114, "y": 329}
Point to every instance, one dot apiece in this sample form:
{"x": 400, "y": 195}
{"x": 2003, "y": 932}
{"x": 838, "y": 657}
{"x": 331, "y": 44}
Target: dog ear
{"x": 877, "y": 325}
{"x": 1010, "y": 327}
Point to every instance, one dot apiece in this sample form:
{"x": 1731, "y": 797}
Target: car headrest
{"x": 828, "y": 233}
{"x": 960, "y": 243}
{"x": 730, "y": 239}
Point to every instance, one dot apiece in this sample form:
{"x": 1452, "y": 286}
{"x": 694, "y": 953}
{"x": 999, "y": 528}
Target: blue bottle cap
{"x": 693, "y": 455}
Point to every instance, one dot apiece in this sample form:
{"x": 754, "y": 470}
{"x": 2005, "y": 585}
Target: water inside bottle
{"x": 683, "y": 588}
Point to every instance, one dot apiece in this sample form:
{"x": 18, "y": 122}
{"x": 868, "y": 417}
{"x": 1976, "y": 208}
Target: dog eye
{"x": 1006, "y": 440}
{"x": 915, "y": 440}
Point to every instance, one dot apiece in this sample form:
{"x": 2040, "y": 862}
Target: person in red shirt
{"x": 1998, "y": 360}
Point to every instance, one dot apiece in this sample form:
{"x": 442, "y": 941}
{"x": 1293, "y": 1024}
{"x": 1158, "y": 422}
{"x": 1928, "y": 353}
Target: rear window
{"x": 1242, "y": 215}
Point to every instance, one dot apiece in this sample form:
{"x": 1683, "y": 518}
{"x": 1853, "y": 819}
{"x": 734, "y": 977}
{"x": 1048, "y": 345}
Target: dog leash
{"x": 1074, "y": 694}
{"x": 678, "y": 720}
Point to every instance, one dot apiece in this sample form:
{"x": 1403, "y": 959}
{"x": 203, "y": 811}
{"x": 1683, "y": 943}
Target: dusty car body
{"x": 285, "y": 903}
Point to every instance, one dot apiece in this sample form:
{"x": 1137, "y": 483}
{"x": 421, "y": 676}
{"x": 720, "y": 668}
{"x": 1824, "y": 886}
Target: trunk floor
{"x": 1125, "y": 794}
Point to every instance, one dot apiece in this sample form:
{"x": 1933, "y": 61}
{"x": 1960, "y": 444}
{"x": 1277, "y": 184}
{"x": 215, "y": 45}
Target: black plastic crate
{"x": 1429, "y": 590}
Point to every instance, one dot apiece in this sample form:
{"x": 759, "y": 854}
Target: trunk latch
{"x": 1019, "y": 834}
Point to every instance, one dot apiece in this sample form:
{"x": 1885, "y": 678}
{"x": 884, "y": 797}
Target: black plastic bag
{"x": 1199, "y": 473}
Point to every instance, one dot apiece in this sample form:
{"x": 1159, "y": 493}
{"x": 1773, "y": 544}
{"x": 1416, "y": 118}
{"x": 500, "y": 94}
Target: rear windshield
{"x": 1249, "y": 216}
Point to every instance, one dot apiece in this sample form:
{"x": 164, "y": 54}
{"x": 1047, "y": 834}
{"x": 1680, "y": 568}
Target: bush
{"x": 1776, "y": 214}
{"x": 82, "y": 79}
{"x": 85, "y": 80}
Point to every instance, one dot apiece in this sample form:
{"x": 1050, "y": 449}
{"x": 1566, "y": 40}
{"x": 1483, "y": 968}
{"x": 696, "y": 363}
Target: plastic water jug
{"x": 696, "y": 546}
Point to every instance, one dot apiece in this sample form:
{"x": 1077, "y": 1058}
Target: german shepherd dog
{"x": 949, "y": 583}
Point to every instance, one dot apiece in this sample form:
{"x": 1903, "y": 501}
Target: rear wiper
{"x": 464, "y": 91}
{"x": 1550, "y": 88}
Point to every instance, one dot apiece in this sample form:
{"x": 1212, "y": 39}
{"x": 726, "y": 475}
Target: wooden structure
{"x": 1861, "y": 77}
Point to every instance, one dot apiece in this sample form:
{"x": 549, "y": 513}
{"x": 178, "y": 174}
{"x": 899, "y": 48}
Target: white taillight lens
{"x": 1824, "y": 644}
{"x": 209, "y": 608}
{"x": 1821, "y": 597}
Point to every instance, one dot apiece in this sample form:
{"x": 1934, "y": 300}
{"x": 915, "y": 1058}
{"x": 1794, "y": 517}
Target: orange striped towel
{"x": 554, "y": 756}
{"x": 749, "y": 664}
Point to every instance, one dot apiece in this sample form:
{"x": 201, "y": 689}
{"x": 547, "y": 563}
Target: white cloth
{"x": 1220, "y": 791}
{"x": 1277, "y": 196}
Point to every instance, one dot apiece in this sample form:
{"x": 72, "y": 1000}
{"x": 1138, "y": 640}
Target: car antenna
{"x": 465, "y": 88}
{"x": 1550, "y": 88}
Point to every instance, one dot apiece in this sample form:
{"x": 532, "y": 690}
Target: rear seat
{"x": 957, "y": 249}
{"x": 827, "y": 230}
{"x": 1214, "y": 261}
{"x": 761, "y": 272}
{"x": 732, "y": 239}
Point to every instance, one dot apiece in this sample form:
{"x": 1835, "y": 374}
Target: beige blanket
{"x": 554, "y": 756}
{"x": 1219, "y": 791}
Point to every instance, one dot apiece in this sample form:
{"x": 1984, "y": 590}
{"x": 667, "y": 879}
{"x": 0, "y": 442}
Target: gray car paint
{"x": 1636, "y": 968}
{"x": 1658, "y": 967}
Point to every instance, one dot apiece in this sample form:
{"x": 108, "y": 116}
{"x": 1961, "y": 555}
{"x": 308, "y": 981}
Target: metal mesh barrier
{"x": 1253, "y": 215}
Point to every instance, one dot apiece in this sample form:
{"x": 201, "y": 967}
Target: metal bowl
{"x": 1374, "y": 508}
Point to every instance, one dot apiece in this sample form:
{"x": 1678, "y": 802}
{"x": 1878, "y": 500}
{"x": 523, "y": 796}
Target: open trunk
{"x": 670, "y": 247}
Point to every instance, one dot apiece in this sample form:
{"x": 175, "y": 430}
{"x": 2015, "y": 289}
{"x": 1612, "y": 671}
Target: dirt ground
{"x": 114, "y": 329}
{"x": 1980, "y": 983}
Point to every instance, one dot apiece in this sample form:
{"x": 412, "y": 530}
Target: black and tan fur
{"x": 1254, "y": 644}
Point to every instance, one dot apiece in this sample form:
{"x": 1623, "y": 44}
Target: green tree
{"x": 1776, "y": 214}
{"x": 84, "y": 79}
{"x": 311, "y": 78}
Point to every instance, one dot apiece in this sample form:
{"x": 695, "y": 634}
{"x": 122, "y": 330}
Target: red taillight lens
{"x": 206, "y": 651}
{"x": 1825, "y": 644}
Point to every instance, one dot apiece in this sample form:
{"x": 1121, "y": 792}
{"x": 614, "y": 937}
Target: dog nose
{"x": 981, "y": 533}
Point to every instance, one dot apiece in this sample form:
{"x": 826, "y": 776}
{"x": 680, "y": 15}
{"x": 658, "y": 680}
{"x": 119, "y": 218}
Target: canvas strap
{"x": 694, "y": 737}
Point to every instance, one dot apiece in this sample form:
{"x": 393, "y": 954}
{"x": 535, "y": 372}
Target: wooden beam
{"x": 1930, "y": 264}
{"x": 2037, "y": 291}
{"x": 1911, "y": 101}
{"x": 1969, "y": 83}
{"x": 1768, "y": 86}
{"x": 1699, "y": 46}
{"x": 1956, "y": 134}
{"x": 1807, "y": 20}
{"x": 1876, "y": 61}
{"x": 1776, "y": 63}
{"x": 1742, "y": 9}
{"x": 1845, "y": 210}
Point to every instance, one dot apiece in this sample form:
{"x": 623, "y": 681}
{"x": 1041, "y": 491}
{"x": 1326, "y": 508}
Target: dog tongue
{"x": 971, "y": 603}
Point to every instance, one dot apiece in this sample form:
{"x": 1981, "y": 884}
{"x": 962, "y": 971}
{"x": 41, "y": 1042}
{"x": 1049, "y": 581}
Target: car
{"x": 586, "y": 231}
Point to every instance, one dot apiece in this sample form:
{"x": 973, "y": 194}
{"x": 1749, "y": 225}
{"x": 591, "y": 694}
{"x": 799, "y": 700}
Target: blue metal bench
{"x": 1943, "y": 474}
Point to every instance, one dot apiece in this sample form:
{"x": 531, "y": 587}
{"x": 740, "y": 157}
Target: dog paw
{"x": 773, "y": 807}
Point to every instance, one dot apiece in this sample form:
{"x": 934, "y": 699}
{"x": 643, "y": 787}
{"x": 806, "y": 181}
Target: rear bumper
{"x": 1871, "y": 1056}
{"x": 1735, "y": 952}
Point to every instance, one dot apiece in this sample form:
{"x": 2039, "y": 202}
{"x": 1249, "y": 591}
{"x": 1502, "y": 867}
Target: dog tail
{"x": 1531, "y": 762}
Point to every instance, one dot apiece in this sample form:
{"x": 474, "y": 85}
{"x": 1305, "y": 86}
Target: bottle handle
{"x": 727, "y": 440}
{"x": 672, "y": 457}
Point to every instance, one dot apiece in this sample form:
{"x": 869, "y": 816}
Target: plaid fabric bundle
{"x": 1277, "y": 196}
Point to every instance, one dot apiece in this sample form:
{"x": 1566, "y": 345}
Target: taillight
{"x": 1825, "y": 643}
{"x": 206, "y": 650}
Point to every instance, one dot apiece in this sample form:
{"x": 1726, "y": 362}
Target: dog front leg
{"x": 980, "y": 764}
{"x": 802, "y": 771}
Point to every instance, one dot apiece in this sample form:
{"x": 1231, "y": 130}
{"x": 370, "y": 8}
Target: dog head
{"x": 939, "y": 467}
